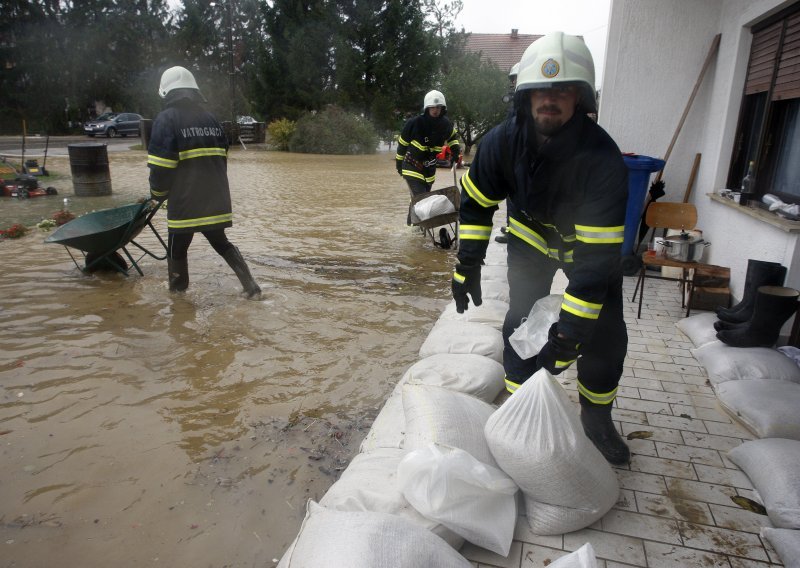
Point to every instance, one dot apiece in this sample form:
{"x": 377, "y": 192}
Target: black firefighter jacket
{"x": 421, "y": 139}
{"x": 566, "y": 199}
{"x": 187, "y": 156}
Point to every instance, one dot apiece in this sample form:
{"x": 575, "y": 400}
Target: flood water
{"x": 140, "y": 427}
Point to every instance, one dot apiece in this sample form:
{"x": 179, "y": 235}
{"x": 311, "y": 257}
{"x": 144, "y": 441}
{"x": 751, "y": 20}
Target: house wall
{"x": 654, "y": 53}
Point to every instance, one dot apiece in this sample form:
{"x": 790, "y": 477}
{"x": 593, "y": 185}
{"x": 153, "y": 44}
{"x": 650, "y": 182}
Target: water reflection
{"x": 193, "y": 428}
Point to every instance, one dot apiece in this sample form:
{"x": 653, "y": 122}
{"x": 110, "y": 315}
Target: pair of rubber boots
{"x": 179, "y": 273}
{"x": 599, "y": 428}
{"x": 766, "y": 304}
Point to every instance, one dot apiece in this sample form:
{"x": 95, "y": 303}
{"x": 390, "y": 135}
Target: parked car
{"x": 113, "y": 124}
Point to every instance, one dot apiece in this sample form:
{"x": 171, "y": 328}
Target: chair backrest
{"x": 671, "y": 216}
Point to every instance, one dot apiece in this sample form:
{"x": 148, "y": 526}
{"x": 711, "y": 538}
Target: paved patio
{"x": 675, "y": 507}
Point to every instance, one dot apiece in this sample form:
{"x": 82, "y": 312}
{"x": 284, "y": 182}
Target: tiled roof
{"x": 504, "y": 49}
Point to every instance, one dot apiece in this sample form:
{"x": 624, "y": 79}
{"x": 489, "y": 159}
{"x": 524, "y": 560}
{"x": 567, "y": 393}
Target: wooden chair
{"x": 681, "y": 216}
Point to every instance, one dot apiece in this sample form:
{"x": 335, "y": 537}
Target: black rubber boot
{"x": 759, "y": 273}
{"x": 599, "y": 428}
{"x": 773, "y": 306}
{"x": 720, "y": 325}
{"x": 178, "y": 274}
{"x": 234, "y": 259}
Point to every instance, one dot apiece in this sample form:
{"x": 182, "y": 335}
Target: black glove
{"x": 466, "y": 280}
{"x": 558, "y": 353}
{"x": 399, "y": 164}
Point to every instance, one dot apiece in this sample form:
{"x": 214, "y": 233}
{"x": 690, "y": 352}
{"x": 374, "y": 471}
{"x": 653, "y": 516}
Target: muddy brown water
{"x": 143, "y": 428}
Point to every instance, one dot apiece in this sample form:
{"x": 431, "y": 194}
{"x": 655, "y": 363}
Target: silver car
{"x": 112, "y": 124}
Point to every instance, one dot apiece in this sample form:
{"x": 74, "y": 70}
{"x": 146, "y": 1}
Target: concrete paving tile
{"x": 672, "y": 507}
{"x": 662, "y": 466}
{"x": 634, "y": 347}
{"x": 723, "y": 476}
{"x": 624, "y": 391}
{"x": 641, "y": 526}
{"x": 534, "y": 556}
{"x": 670, "y": 435}
{"x": 641, "y": 383}
{"x": 736, "y": 518}
{"x": 482, "y": 556}
{"x": 681, "y": 369}
{"x": 639, "y": 363}
{"x": 687, "y": 361}
{"x": 687, "y": 388}
{"x": 706, "y": 400}
{"x": 626, "y": 415}
{"x": 523, "y": 532}
{"x": 620, "y": 548}
{"x": 700, "y": 440}
{"x": 699, "y": 491}
{"x": 658, "y": 375}
{"x": 725, "y": 541}
{"x": 644, "y": 405}
{"x": 733, "y": 430}
{"x": 677, "y": 422}
{"x": 665, "y": 396}
{"x": 642, "y": 447}
{"x": 745, "y": 563}
{"x": 660, "y": 555}
{"x": 682, "y": 350}
{"x": 626, "y": 501}
{"x": 701, "y": 413}
{"x": 639, "y": 340}
{"x": 689, "y": 454}
{"x": 637, "y": 481}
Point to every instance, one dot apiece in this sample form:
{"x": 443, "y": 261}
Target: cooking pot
{"x": 685, "y": 247}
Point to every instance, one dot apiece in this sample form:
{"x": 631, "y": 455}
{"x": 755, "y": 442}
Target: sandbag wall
{"x": 760, "y": 389}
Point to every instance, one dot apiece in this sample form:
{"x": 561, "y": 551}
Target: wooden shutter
{"x": 763, "y": 54}
{"x": 787, "y": 82}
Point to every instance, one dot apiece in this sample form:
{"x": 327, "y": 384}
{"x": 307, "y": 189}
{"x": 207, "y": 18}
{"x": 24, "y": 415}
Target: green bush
{"x": 280, "y": 132}
{"x": 334, "y": 131}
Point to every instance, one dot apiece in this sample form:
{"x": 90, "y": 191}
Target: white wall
{"x": 654, "y": 54}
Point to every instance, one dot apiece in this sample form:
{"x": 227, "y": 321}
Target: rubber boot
{"x": 720, "y": 325}
{"x": 773, "y": 306}
{"x": 234, "y": 259}
{"x": 178, "y": 274}
{"x": 759, "y": 273}
{"x": 599, "y": 428}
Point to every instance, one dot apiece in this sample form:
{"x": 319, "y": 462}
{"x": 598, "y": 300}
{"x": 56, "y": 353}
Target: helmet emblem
{"x": 550, "y": 68}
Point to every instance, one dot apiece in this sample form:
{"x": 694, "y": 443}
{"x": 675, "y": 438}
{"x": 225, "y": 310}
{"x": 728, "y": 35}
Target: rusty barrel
{"x": 88, "y": 162}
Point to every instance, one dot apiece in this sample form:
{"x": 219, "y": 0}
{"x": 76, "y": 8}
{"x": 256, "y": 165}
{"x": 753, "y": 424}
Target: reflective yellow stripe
{"x": 511, "y": 386}
{"x": 202, "y": 152}
{"x": 158, "y": 193}
{"x": 474, "y": 232}
{"x": 431, "y": 179}
{"x": 473, "y": 192}
{"x": 529, "y": 236}
{"x": 199, "y": 222}
{"x": 568, "y": 256}
{"x": 418, "y": 145}
{"x": 599, "y": 235}
{"x": 595, "y": 397}
{"x": 436, "y": 149}
{"x": 402, "y": 141}
{"x": 413, "y": 174}
{"x": 580, "y": 308}
{"x": 459, "y": 278}
{"x": 398, "y": 157}
{"x": 161, "y": 162}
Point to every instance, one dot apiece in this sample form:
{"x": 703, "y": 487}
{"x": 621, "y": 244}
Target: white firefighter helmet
{"x": 512, "y": 75}
{"x": 432, "y": 99}
{"x": 176, "y": 78}
{"x": 558, "y": 58}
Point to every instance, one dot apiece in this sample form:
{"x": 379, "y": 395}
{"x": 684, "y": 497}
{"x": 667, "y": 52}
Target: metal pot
{"x": 685, "y": 247}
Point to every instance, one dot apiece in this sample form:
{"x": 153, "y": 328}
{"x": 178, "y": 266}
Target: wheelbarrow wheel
{"x": 114, "y": 262}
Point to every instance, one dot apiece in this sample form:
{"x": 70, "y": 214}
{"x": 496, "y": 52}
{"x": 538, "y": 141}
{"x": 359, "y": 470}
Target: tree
{"x": 474, "y": 91}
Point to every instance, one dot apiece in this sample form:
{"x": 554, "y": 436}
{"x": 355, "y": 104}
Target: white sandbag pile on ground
{"x": 490, "y": 312}
{"x": 786, "y": 543}
{"x": 725, "y": 363}
{"x": 463, "y": 337}
{"x": 537, "y": 439}
{"x": 768, "y": 408}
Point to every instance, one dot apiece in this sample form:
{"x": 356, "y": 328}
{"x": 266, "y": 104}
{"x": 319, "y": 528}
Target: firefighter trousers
{"x": 530, "y": 277}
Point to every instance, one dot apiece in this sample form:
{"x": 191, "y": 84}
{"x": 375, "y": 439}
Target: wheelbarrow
{"x": 99, "y": 236}
{"x": 448, "y": 219}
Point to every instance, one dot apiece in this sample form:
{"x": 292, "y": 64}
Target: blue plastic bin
{"x": 639, "y": 170}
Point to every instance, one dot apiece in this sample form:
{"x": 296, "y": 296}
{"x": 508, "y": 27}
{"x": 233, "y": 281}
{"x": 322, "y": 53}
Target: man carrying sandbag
{"x": 566, "y": 186}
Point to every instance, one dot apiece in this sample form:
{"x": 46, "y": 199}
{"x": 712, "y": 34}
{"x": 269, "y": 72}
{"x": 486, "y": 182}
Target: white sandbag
{"x": 726, "y": 363}
{"x": 472, "y": 374}
{"x": 490, "y": 312}
{"x": 495, "y": 290}
{"x": 433, "y": 206}
{"x": 463, "y": 337}
{"x": 474, "y": 500}
{"x": 768, "y": 408}
{"x": 699, "y": 328}
{"x": 450, "y": 418}
{"x": 529, "y": 338}
{"x": 370, "y": 483}
{"x": 584, "y": 557}
{"x": 388, "y": 428}
{"x": 786, "y": 543}
{"x": 772, "y": 465}
{"x": 335, "y": 539}
{"x": 494, "y": 273}
{"x": 537, "y": 439}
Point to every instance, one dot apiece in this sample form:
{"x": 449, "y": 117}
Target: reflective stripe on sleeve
{"x": 597, "y": 397}
{"x": 475, "y": 194}
{"x": 529, "y": 236}
{"x": 202, "y": 152}
{"x": 580, "y": 308}
{"x": 161, "y": 162}
{"x": 474, "y": 232}
{"x": 459, "y": 277}
{"x": 600, "y": 235}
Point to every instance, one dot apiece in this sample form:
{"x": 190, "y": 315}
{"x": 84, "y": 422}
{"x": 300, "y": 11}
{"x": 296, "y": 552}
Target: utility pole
{"x": 230, "y": 62}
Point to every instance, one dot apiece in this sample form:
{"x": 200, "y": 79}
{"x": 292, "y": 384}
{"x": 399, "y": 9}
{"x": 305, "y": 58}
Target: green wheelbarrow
{"x": 99, "y": 236}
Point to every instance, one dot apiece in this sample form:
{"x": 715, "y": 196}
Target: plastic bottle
{"x": 748, "y": 185}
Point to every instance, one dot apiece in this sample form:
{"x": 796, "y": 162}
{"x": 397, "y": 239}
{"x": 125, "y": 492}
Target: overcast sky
{"x": 588, "y": 18}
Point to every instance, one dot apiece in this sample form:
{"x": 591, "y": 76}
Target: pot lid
{"x": 685, "y": 238}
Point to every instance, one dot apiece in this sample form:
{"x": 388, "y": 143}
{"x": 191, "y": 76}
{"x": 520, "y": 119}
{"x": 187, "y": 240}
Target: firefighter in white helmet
{"x": 566, "y": 186}
{"x": 188, "y": 160}
{"x": 423, "y": 137}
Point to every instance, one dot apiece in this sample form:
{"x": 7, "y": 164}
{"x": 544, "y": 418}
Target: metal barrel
{"x": 88, "y": 162}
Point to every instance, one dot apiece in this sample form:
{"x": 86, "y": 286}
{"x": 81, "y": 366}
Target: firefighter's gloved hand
{"x": 558, "y": 353}
{"x": 399, "y": 166}
{"x": 466, "y": 281}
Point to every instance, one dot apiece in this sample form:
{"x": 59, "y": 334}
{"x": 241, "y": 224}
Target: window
{"x": 768, "y": 133}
